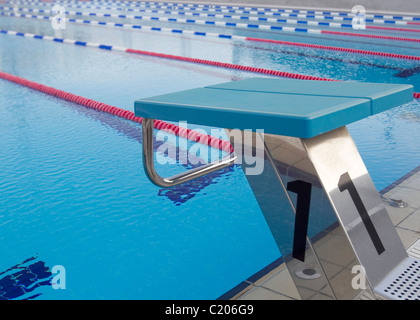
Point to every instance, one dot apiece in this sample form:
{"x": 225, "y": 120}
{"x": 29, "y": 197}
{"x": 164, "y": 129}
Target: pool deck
{"x": 278, "y": 284}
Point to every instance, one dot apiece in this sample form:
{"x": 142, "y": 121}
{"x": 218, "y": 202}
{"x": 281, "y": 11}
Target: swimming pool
{"x": 73, "y": 192}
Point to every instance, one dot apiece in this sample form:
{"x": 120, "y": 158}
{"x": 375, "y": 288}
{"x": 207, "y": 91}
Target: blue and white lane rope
{"x": 149, "y": 28}
{"x": 130, "y": 26}
{"x": 208, "y": 22}
{"x": 237, "y": 17}
{"x": 204, "y": 62}
{"x": 233, "y": 9}
{"x": 61, "y": 40}
{"x": 164, "y": 19}
{"x": 194, "y": 21}
{"x": 226, "y": 36}
{"x": 189, "y": 13}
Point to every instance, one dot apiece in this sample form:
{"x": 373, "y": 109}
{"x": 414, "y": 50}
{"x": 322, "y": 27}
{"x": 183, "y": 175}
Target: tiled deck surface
{"x": 278, "y": 284}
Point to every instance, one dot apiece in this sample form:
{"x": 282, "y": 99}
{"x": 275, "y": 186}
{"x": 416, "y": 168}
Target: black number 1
{"x": 303, "y": 191}
{"x": 345, "y": 183}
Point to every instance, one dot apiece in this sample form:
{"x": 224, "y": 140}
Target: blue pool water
{"x": 72, "y": 187}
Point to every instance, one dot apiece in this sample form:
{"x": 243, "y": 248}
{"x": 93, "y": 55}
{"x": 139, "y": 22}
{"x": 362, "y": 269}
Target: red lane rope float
{"x": 122, "y": 113}
{"x": 368, "y": 36}
{"x": 236, "y": 66}
{"x": 229, "y": 65}
{"x": 317, "y": 46}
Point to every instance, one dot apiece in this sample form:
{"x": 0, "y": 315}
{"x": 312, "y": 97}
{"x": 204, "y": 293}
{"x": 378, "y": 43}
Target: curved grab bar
{"x": 149, "y": 168}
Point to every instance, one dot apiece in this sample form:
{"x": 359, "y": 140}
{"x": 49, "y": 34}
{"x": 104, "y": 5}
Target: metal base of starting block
{"x": 327, "y": 218}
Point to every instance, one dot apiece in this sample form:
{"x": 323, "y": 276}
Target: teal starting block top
{"x": 297, "y": 108}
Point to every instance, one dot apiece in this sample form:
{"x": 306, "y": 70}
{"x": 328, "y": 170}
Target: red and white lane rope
{"x": 122, "y": 113}
{"x": 219, "y": 64}
{"x": 332, "y": 48}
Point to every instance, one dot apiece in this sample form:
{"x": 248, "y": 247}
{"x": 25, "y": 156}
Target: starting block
{"x": 315, "y": 192}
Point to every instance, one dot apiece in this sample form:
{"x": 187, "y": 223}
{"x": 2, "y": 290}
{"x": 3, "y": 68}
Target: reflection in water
{"x": 183, "y": 192}
{"x": 19, "y": 281}
{"x": 410, "y": 116}
{"x": 178, "y": 194}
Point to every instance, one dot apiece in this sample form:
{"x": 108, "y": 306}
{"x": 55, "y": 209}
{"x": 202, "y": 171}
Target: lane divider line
{"x": 271, "y": 20}
{"x": 369, "y": 36}
{"x": 212, "y": 63}
{"x": 259, "y": 26}
{"x": 194, "y": 21}
{"x": 331, "y": 48}
{"x": 226, "y": 36}
{"x": 122, "y": 113}
{"x": 265, "y": 9}
{"x": 393, "y": 29}
{"x": 231, "y": 24}
{"x": 218, "y": 8}
{"x": 225, "y": 65}
{"x": 237, "y": 17}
